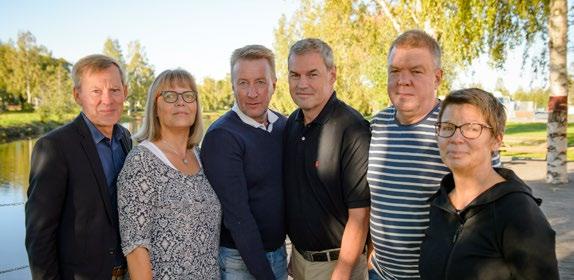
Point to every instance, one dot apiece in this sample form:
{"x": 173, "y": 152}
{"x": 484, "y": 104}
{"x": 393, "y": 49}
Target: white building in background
{"x": 509, "y": 104}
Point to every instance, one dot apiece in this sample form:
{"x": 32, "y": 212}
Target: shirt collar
{"x": 271, "y": 118}
{"x": 97, "y": 135}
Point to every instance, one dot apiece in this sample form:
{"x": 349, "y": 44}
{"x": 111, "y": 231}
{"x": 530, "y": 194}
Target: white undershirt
{"x": 271, "y": 118}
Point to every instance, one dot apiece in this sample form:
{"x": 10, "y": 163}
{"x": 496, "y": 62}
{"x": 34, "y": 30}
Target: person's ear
{"x": 333, "y": 74}
{"x": 496, "y": 144}
{"x": 76, "y": 93}
{"x": 437, "y": 78}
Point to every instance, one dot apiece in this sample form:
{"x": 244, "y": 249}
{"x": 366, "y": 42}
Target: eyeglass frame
{"x": 178, "y": 94}
{"x": 459, "y": 127}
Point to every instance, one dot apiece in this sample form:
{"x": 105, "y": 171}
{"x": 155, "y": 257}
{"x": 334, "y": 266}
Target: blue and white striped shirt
{"x": 405, "y": 170}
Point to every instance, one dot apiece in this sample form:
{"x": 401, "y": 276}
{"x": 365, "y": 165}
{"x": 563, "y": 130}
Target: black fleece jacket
{"x": 501, "y": 234}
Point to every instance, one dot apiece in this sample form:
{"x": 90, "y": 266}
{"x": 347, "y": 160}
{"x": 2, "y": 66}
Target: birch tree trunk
{"x": 557, "y": 172}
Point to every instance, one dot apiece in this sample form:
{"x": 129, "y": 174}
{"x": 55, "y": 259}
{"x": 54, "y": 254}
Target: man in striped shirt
{"x": 405, "y": 167}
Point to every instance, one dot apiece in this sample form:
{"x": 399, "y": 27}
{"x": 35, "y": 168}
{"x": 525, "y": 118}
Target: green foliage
{"x": 113, "y": 49}
{"x": 32, "y": 78}
{"x": 361, "y": 31}
{"x": 140, "y": 77}
{"x": 355, "y": 36}
{"x": 216, "y": 95}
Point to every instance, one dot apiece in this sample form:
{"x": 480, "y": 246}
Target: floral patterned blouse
{"x": 177, "y": 217}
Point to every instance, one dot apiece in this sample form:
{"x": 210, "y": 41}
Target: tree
{"x": 215, "y": 95}
{"x": 28, "y": 72}
{"x": 140, "y": 76}
{"x": 112, "y": 49}
{"x": 55, "y": 100}
{"x": 6, "y": 54}
{"x": 556, "y": 170}
{"x": 25, "y": 68}
{"x": 360, "y": 32}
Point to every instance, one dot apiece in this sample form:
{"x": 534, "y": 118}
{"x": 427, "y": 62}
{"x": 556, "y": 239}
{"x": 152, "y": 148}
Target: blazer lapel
{"x": 95, "y": 163}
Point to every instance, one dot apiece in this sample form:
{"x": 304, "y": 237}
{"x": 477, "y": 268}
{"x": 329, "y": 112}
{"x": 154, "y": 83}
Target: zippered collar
{"x": 512, "y": 184}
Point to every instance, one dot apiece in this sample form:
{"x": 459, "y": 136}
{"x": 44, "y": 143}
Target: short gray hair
{"x": 313, "y": 45}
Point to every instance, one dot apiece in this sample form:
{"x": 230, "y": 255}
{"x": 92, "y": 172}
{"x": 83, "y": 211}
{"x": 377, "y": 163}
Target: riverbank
{"x": 24, "y": 125}
{"x": 24, "y": 131}
{"x": 16, "y": 126}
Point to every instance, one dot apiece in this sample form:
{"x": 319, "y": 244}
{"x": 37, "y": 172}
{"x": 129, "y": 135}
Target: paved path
{"x": 557, "y": 205}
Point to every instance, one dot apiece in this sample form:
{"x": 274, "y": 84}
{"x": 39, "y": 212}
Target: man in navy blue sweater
{"x": 242, "y": 158}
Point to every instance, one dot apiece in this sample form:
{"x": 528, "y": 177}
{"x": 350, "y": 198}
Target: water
{"x": 14, "y": 171}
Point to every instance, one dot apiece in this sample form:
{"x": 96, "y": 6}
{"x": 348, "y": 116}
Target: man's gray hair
{"x": 313, "y": 45}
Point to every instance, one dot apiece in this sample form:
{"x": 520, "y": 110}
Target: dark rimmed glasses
{"x": 170, "y": 96}
{"x": 468, "y": 130}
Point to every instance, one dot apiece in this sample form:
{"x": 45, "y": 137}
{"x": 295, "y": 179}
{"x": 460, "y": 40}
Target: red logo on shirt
{"x": 316, "y": 164}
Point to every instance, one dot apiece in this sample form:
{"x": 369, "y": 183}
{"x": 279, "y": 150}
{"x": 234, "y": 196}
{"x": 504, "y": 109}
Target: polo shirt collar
{"x": 271, "y": 118}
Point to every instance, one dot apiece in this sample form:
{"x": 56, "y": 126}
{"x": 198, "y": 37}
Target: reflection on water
{"x": 14, "y": 171}
{"x": 14, "y": 168}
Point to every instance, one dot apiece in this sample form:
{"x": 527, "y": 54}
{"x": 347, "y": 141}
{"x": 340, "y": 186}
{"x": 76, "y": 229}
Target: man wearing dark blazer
{"x": 71, "y": 213}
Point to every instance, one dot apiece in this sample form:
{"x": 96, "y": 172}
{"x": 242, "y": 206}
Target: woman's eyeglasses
{"x": 172, "y": 96}
{"x": 468, "y": 130}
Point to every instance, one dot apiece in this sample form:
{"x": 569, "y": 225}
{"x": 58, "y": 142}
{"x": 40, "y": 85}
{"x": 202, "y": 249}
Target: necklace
{"x": 183, "y": 159}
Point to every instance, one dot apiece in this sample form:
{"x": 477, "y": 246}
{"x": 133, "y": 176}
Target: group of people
{"x": 416, "y": 193}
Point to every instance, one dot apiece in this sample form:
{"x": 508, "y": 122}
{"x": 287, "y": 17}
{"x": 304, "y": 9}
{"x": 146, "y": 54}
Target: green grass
{"x": 528, "y": 140}
{"x": 20, "y": 119}
{"x": 532, "y": 133}
{"x": 9, "y": 119}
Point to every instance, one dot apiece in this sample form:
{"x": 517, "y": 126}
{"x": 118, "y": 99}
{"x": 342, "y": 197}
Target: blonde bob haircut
{"x": 151, "y": 128}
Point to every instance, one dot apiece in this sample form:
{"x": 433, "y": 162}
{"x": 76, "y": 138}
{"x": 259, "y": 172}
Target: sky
{"x": 198, "y": 36}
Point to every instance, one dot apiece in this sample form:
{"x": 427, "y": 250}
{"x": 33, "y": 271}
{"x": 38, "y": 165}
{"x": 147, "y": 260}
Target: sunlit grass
{"x": 16, "y": 118}
{"x": 21, "y": 119}
{"x": 528, "y": 140}
{"x": 535, "y": 155}
{"x": 529, "y": 134}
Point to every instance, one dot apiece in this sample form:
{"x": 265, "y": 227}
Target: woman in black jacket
{"x": 484, "y": 221}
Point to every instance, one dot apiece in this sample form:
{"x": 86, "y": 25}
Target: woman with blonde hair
{"x": 168, "y": 213}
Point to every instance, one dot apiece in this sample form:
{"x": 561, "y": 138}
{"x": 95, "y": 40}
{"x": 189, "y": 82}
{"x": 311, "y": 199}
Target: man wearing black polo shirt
{"x": 325, "y": 164}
